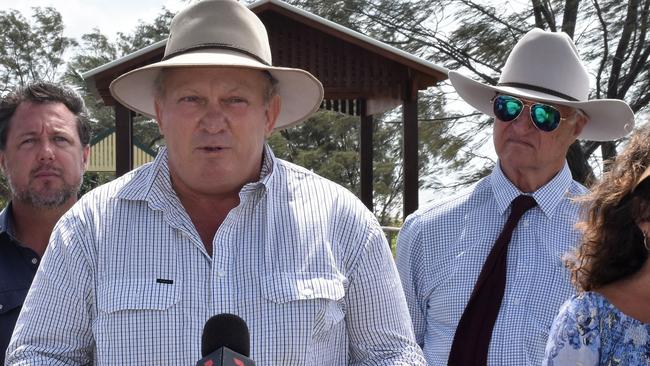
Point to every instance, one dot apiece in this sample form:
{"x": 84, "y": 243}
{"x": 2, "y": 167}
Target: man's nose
{"x": 214, "y": 119}
{"x": 523, "y": 121}
{"x": 46, "y": 152}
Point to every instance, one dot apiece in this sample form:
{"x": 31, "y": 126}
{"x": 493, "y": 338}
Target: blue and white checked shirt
{"x": 126, "y": 279}
{"x": 441, "y": 250}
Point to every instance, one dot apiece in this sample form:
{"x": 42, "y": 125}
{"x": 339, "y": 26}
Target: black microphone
{"x": 225, "y": 342}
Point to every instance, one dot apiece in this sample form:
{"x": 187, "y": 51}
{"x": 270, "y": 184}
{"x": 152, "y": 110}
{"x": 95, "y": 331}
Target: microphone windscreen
{"x": 225, "y": 330}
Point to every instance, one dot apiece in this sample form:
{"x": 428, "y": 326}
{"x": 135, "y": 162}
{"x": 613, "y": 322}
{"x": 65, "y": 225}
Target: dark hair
{"x": 41, "y": 92}
{"x": 612, "y": 245}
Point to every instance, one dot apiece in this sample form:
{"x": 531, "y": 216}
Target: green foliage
{"x": 93, "y": 180}
{"x": 5, "y": 191}
{"x": 31, "y": 50}
{"x": 328, "y": 144}
{"x": 145, "y": 34}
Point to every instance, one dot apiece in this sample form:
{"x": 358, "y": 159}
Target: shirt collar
{"x": 7, "y": 221}
{"x": 548, "y": 196}
{"x": 269, "y": 163}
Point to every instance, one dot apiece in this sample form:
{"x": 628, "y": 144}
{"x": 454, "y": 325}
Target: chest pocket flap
{"x": 285, "y": 287}
{"x": 137, "y": 294}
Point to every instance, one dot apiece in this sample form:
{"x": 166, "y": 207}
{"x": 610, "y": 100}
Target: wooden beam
{"x": 410, "y": 148}
{"x": 123, "y": 140}
{"x": 366, "y": 147}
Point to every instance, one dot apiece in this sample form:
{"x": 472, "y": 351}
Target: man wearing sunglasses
{"x": 482, "y": 270}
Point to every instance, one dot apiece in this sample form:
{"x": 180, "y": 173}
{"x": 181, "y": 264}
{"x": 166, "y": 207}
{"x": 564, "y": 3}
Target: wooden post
{"x": 366, "y": 147}
{"x": 410, "y": 115}
{"x": 123, "y": 140}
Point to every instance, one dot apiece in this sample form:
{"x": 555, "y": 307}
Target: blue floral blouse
{"x": 589, "y": 330}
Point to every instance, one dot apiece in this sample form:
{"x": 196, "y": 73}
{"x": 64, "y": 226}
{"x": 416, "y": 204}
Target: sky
{"x": 109, "y": 16}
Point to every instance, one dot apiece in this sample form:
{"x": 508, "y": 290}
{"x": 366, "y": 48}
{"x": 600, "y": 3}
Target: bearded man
{"x": 44, "y": 137}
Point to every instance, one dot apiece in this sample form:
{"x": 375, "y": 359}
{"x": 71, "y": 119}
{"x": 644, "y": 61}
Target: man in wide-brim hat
{"x": 217, "y": 224}
{"x": 482, "y": 270}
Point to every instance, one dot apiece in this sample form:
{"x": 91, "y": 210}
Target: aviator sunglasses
{"x": 545, "y": 117}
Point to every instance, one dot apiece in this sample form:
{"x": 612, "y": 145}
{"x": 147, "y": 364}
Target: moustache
{"x": 46, "y": 168}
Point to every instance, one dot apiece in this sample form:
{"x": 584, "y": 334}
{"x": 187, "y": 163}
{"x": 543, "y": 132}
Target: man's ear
{"x": 85, "y": 155}
{"x": 580, "y": 123}
{"x": 272, "y": 113}
{"x": 159, "y": 115}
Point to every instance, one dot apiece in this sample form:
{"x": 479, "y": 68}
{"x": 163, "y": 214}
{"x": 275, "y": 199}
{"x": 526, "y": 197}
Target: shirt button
{"x": 308, "y": 292}
{"x": 221, "y": 273}
{"x": 34, "y": 260}
{"x": 516, "y": 301}
{"x": 526, "y": 223}
{"x": 1, "y": 306}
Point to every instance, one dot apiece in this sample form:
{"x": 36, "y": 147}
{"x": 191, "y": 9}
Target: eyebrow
{"x": 56, "y": 131}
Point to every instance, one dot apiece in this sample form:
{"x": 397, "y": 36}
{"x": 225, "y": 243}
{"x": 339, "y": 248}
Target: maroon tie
{"x": 472, "y": 338}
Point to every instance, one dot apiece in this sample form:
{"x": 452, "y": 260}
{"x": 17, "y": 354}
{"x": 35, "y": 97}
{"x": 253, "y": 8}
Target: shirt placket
{"x": 223, "y": 259}
{"x": 521, "y": 267}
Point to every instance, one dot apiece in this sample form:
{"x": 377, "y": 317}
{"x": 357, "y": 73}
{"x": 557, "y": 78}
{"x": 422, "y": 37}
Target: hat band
{"x": 213, "y": 46}
{"x": 539, "y": 89}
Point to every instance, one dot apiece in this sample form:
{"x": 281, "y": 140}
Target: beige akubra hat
{"x": 545, "y": 66}
{"x": 221, "y": 33}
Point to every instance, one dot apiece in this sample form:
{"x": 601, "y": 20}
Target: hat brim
{"x": 609, "y": 119}
{"x": 300, "y": 91}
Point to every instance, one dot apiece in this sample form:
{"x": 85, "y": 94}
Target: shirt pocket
{"x": 136, "y": 294}
{"x": 312, "y": 296}
{"x": 129, "y": 312}
{"x": 11, "y": 300}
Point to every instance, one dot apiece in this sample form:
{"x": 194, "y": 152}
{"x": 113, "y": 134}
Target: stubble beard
{"x": 47, "y": 197}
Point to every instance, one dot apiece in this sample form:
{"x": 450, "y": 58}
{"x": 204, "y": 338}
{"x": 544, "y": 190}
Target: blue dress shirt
{"x": 441, "y": 250}
{"x": 18, "y": 266}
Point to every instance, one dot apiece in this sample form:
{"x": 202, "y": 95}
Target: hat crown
{"x": 214, "y": 24}
{"x": 550, "y": 61}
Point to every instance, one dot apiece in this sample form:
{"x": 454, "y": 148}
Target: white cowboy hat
{"x": 545, "y": 66}
{"x": 222, "y": 33}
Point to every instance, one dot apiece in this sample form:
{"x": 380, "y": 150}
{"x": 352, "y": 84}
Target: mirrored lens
{"x": 507, "y": 108}
{"x": 545, "y": 117}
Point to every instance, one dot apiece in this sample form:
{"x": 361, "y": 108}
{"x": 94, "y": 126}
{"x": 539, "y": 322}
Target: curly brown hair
{"x": 612, "y": 245}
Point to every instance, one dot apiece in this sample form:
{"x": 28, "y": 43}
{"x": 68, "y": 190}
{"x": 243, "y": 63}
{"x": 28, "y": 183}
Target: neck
{"x": 642, "y": 277}
{"x": 207, "y": 215}
{"x": 33, "y": 225}
{"x": 528, "y": 180}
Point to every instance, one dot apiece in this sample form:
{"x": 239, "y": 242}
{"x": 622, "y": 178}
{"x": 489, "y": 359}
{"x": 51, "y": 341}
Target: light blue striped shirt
{"x": 126, "y": 279}
{"x": 441, "y": 250}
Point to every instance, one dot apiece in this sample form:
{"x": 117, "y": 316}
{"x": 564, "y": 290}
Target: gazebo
{"x": 102, "y": 152}
{"x": 361, "y": 77}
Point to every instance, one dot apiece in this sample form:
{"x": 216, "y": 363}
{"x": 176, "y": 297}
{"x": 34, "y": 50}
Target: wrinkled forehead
{"x": 30, "y": 114}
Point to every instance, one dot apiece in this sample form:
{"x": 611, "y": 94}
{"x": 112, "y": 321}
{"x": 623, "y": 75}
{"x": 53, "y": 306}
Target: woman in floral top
{"x": 608, "y": 322}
